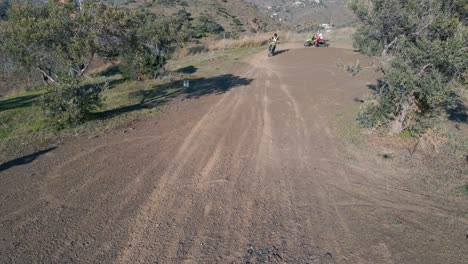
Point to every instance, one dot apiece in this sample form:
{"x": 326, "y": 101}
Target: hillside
{"x": 300, "y": 15}
{"x": 258, "y": 15}
{"x": 235, "y": 16}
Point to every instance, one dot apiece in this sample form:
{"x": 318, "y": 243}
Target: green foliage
{"x": 204, "y": 25}
{"x": 60, "y": 41}
{"x": 237, "y": 22}
{"x": 70, "y": 103}
{"x": 4, "y": 5}
{"x": 57, "y": 39}
{"x": 376, "y": 113}
{"x": 423, "y": 48}
{"x": 182, "y": 21}
{"x": 156, "y": 38}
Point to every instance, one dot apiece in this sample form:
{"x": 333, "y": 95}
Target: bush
{"x": 375, "y": 114}
{"x": 71, "y": 103}
{"x": 204, "y": 25}
{"x": 157, "y": 39}
{"x": 422, "y": 49}
{"x": 60, "y": 41}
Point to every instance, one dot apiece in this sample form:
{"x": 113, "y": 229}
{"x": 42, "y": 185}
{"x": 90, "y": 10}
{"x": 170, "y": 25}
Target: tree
{"x": 422, "y": 46}
{"x": 203, "y": 25}
{"x": 155, "y": 41}
{"x": 60, "y": 39}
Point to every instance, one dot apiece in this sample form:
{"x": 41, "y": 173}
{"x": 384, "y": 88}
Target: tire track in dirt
{"x": 256, "y": 175}
{"x": 236, "y": 171}
{"x": 301, "y": 151}
{"x": 218, "y": 114}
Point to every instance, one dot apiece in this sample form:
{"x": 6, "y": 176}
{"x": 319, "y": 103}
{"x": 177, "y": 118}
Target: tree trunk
{"x": 86, "y": 66}
{"x": 46, "y": 77}
{"x": 397, "y": 125}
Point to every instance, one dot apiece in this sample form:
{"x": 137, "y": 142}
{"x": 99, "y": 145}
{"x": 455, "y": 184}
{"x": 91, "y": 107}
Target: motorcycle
{"x": 272, "y": 48}
{"x": 312, "y": 42}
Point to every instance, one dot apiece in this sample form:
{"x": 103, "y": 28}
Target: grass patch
{"x": 464, "y": 189}
{"x": 408, "y": 134}
{"x": 24, "y": 126}
{"x": 20, "y": 114}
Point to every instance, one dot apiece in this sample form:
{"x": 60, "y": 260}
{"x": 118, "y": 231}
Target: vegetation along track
{"x": 253, "y": 173}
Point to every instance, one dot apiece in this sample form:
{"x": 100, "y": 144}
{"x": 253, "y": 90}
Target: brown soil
{"x": 252, "y": 173}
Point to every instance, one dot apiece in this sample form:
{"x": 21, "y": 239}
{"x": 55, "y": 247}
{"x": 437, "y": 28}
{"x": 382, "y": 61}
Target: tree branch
{"x": 388, "y": 46}
{"x": 423, "y": 69}
{"x": 86, "y": 66}
{"x": 47, "y": 76}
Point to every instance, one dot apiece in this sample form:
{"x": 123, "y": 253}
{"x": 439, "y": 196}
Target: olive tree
{"x": 422, "y": 46}
{"x": 60, "y": 39}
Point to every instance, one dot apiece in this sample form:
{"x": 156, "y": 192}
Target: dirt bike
{"x": 272, "y": 48}
{"x": 313, "y": 42}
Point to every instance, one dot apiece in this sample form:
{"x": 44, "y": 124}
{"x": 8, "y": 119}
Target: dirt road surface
{"x": 252, "y": 172}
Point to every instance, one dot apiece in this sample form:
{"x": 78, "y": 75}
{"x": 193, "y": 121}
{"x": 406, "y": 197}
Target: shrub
{"x": 59, "y": 41}
{"x": 204, "y": 25}
{"x": 422, "y": 49}
{"x": 71, "y": 103}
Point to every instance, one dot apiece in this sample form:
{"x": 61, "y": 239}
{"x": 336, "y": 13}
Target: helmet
{"x": 275, "y": 35}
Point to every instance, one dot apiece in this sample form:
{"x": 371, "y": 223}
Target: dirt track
{"x": 253, "y": 174}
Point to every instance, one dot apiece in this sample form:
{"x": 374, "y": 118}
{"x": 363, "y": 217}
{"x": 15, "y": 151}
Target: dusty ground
{"x": 253, "y": 172}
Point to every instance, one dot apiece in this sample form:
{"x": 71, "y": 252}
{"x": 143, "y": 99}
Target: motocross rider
{"x": 319, "y": 38}
{"x": 275, "y": 38}
{"x": 274, "y": 41}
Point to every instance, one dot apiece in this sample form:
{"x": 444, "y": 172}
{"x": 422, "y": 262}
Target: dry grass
{"x": 244, "y": 42}
{"x": 211, "y": 45}
{"x": 339, "y": 38}
{"x": 247, "y": 41}
{"x": 208, "y": 47}
{"x": 255, "y": 40}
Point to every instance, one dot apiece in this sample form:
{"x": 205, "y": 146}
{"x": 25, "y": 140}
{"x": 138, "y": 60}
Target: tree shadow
{"x": 188, "y": 70}
{"x": 376, "y": 87}
{"x": 160, "y": 94}
{"x": 25, "y": 159}
{"x": 214, "y": 85}
{"x": 458, "y": 114}
{"x": 18, "y": 102}
{"x": 111, "y": 71}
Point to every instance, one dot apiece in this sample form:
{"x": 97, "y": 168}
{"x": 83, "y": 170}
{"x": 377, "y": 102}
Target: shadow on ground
{"x": 18, "y": 102}
{"x": 376, "y": 87}
{"x": 188, "y": 70}
{"x": 25, "y": 159}
{"x": 279, "y": 52}
{"x": 160, "y": 94}
{"x": 111, "y": 71}
{"x": 458, "y": 114}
